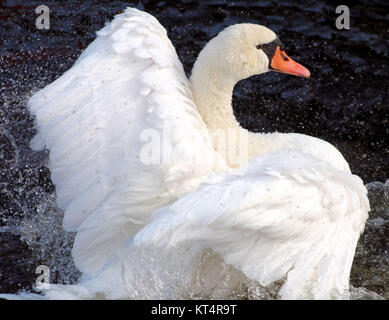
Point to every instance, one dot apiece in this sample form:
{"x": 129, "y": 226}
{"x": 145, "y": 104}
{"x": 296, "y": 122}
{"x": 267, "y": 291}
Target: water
{"x": 159, "y": 273}
{"x": 345, "y": 103}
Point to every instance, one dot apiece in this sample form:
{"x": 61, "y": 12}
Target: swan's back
{"x": 100, "y": 119}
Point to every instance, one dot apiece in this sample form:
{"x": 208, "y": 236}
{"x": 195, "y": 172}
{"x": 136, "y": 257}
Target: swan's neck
{"x": 213, "y": 97}
{"x": 212, "y": 94}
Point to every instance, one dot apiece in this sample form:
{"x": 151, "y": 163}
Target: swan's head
{"x": 244, "y": 50}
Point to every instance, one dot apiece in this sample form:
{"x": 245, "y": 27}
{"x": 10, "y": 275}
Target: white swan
{"x": 296, "y": 210}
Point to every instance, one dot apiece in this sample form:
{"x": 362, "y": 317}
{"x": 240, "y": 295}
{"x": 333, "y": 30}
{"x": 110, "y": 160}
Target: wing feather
{"x": 129, "y": 80}
{"x": 301, "y": 219}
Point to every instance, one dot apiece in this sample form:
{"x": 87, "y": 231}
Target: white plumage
{"x": 288, "y": 214}
{"x": 296, "y": 212}
{"x": 127, "y": 87}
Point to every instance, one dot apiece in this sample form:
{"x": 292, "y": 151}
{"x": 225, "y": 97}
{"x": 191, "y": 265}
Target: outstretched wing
{"x": 123, "y": 134}
{"x": 288, "y": 215}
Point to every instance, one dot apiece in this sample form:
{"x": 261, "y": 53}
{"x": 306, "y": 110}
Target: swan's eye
{"x": 259, "y": 46}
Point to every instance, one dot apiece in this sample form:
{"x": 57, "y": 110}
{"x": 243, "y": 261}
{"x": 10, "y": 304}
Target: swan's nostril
{"x": 284, "y": 57}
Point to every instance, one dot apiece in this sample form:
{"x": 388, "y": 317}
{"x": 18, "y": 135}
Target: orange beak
{"x": 282, "y": 63}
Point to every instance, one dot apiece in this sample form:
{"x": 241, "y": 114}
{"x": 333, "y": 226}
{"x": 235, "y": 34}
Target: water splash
{"x": 187, "y": 273}
{"x": 50, "y": 244}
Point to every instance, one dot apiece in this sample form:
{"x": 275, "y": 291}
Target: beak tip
{"x": 302, "y": 71}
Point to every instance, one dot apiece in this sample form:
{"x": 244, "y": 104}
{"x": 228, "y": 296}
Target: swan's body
{"x": 296, "y": 210}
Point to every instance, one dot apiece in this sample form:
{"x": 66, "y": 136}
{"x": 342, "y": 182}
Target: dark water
{"x": 345, "y": 102}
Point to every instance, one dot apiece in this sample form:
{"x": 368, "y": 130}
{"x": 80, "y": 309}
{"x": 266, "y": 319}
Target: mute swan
{"x": 295, "y": 211}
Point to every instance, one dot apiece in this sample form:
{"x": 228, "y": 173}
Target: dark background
{"x": 345, "y": 102}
